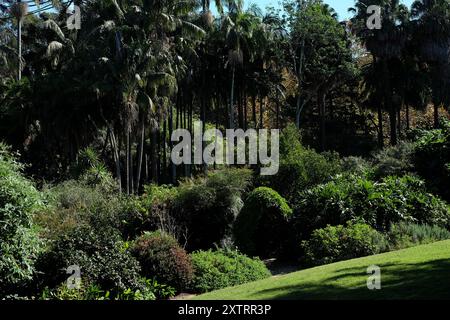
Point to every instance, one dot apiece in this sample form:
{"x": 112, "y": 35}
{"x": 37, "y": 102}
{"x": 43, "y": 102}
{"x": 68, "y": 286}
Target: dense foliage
{"x": 102, "y": 258}
{"x": 379, "y": 204}
{"x": 223, "y": 268}
{"x": 403, "y": 235}
{"x": 162, "y": 258}
{"x": 265, "y": 212}
{"x": 207, "y": 206}
{"x": 92, "y": 112}
{"x": 336, "y": 243}
{"x": 19, "y": 244}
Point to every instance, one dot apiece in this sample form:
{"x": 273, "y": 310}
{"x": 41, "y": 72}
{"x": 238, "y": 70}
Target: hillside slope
{"x": 421, "y": 272}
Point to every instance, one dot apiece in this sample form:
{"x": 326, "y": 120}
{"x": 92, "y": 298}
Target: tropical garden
{"x": 92, "y": 206}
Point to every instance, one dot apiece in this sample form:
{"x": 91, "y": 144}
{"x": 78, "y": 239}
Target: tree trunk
{"x": 154, "y": 155}
{"x": 231, "y": 111}
{"x": 116, "y": 157}
{"x": 261, "y": 112}
{"x": 140, "y": 155}
{"x": 173, "y": 176}
{"x": 245, "y": 113}
{"x": 300, "y": 75}
{"x": 322, "y": 105}
{"x": 254, "y": 110}
{"x": 436, "y": 115}
{"x": 408, "y": 125}
{"x": 127, "y": 161}
{"x": 388, "y": 105}
{"x": 380, "y": 128}
{"x": 393, "y": 125}
{"x": 19, "y": 50}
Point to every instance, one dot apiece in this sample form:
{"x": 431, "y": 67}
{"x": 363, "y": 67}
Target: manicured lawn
{"x": 421, "y": 272}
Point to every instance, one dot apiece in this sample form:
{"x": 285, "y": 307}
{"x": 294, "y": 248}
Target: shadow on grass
{"x": 430, "y": 280}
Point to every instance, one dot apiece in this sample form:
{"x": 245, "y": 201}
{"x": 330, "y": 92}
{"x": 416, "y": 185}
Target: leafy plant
{"x": 162, "y": 258}
{"x": 300, "y": 168}
{"x": 336, "y": 243}
{"x": 403, "y": 235}
{"x": 379, "y": 204}
{"x": 206, "y": 207}
{"x": 261, "y": 227}
{"x": 103, "y": 258}
{"x": 19, "y": 244}
{"x": 224, "y": 268}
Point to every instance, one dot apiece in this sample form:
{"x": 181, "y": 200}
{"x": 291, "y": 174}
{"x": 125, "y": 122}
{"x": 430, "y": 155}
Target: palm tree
{"x": 386, "y": 45}
{"x": 432, "y": 35}
{"x": 238, "y": 27}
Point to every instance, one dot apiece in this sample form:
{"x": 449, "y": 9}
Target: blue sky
{"x": 341, "y": 6}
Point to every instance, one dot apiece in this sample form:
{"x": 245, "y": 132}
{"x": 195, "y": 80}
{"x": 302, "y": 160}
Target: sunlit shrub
{"x": 224, "y": 268}
{"x": 19, "y": 244}
{"x": 161, "y": 257}
{"x": 336, "y": 243}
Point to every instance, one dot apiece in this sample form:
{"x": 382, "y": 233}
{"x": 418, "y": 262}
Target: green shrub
{"x": 206, "y": 207}
{"x": 76, "y": 203}
{"x": 161, "y": 257}
{"x": 103, "y": 259}
{"x": 73, "y": 204}
{"x": 150, "y": 290}
{"x": 393, "y": 161}
{"x": 432, "y": 158}
{"x": 300, "y": 168}
{"x": 403, "y": 235}
{"x": 224, "y": 268}
{"x": 19, "y": 244}
{"x": 357, "y": 166}
{"x": 337, "y": 243}
{"x": 379, "y": 204}
{"x": 334, "y": 203}
{"x": 261, "y": 227}
{"x": 90, "y": 170}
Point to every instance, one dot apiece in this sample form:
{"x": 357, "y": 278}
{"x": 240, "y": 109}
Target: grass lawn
{"x": 421, "y": 272}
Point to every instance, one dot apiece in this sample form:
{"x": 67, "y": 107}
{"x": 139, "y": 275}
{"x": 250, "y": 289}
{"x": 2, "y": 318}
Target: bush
{"x": 161, "y": 257}
{"x": 206, "y": 207}
{"x": 150, "y": 290}
{"x": 393, "y": 161}
{"x": 76, "y": 203}
{"x": 403, "y": 235}
{"x": 337, "y": 243}
{"x": 377, "y": 203}
{"x": 19, "y": 244}
{"x": 432, "y": 158}
{"x": 300, "y": 168}
{"x": 103, "y": 258}
{"x": 158, "y": 202}
{"x": 73, "y": 204}
{"x": 262, "y": 228}
{"x": 357, "y": 166}
{"x": 224, "y": 268}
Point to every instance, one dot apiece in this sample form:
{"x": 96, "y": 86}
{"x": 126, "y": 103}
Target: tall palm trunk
{"x": 231, "y": 111}
{"x": 19, "y": 45}
{"x": 140, "y": 155}
{"x": 300, "y": 105}
{"x": 254, "y": 110}
{"x": 173, "y": 176}
{"x": 322, "y": 105}
{"x": 436, "y": 115}
{"x": 388, "y": 105}
{"x": 116, "y": 157}
{"x": 380, "y": 127}
{"x": 154, "y": 155}
{"x": 127, "y": 161}
{"x": 261, "y": 112}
